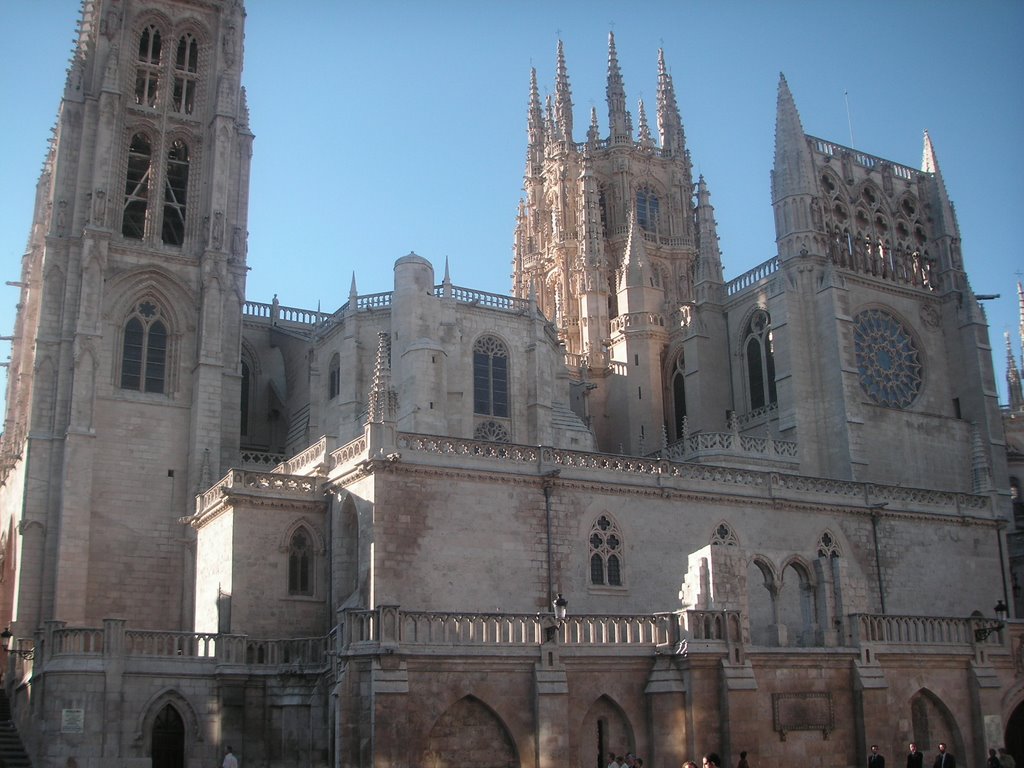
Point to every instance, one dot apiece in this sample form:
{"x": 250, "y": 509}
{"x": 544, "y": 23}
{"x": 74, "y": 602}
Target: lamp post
{"x": 981, "y": 633}
{"x": 5, "y": 644}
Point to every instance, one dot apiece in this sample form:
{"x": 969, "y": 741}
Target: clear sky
{"x": 384, "y": 127}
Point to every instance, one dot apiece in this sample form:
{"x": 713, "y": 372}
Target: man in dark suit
{"x": 915, "y": 759}
{"x": 944, "y": 759}
{"x": 875, "y": 760}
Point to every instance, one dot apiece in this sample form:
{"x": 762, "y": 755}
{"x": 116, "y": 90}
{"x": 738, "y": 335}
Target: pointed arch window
{"x": 136, "y": 187}
{"x": 605, "y": 553}
{"x": 334, "y": 377}
{"x": 648, "y": 209}
{"x": 246, "y": 384}
{"x": 144, "y": 349}
{"x": 300, "y": 563}
{"x": 760, "y": 359}
{"x": 147, "y": 69}
{"x": 490, "y": 377}
{"x": 679, "y": 396}
{"x": 828, "y": 546}
{"x": 186, "y": 75}
{"x": 175, "y": 193}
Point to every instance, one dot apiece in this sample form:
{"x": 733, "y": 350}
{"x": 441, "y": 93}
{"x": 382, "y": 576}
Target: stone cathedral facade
{"x": 778, "y": 506}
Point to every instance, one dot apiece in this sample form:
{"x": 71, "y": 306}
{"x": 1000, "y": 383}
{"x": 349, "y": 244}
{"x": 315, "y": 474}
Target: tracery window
{"x": 175, "y": 193}
{"x": 186, "y": 75}
{"x": 605, "y": 553}
{"x": 136, "y": 187}
{"x": 491, "y": 431}
{"x": 647, "y": 209}
{"x": 760, "y": 358}
{"x": 300, "y": 563}
{"x": 888, "y": 363}
{"x": 144, "y": 349}
{"x": 147, "y": 69}
{"x": 490, "y": 377}
{"x": 334, "y": 377}
{"x": 828, "y": 546}
{"x": 723, "y": 535}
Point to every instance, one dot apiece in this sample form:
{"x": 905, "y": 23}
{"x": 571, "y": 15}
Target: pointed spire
{"x": 670, "y": 124}
{"x": 549, "y": 120}
{"x": 593, "y": 133}
{"x": 618, "y": 124}
{"x": 644, "y": 136}
{"x": 534, "y": 124}
{"x": 709, "y": 265}
{"x": 634, "y": 260}
{"x": 793, "y": 172}
{"x": 1013, "y": 383}
{"x": 946, "y": 223}
{"x": 1020, "y": 312}
{"x": 563, "y": 98}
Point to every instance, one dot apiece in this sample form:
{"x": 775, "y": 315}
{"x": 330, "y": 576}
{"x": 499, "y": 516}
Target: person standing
{"x": 915, "y": 759}
{"x": 230, "y": 761}
{"x": 993, "y": 761}
{"x": 743, "y": 761}
{"x": 875, "y": 760}
{"x": 944, "y": 759}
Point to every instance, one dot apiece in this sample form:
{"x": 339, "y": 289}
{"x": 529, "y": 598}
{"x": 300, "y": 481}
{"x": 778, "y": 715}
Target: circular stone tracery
{"x": 888, "y": 364}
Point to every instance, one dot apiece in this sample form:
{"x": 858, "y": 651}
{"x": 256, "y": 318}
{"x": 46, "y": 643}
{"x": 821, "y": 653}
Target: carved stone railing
{"x": 113, "y": 639}
{"x": 752, "y": 276}
{"x": 391, "y": 626}
{"x": 919, "y": 630}
{"x": 851, "y": 492}
{"x": 703, "y": 444}
{"x": 295, "y": 486}
{"x": 831, "y": 149}
{"x": 482, "y": 298}
{"x": 251, "y": 459}
{"x": 301, "y": 463}
{"x": 348, "y": 452}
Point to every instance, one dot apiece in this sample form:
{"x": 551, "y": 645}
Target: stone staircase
{"x": 12, "y": 753}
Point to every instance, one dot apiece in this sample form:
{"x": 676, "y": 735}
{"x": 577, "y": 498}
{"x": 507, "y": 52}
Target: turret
{"x": 563, "y": 99}
{"x": 710, "y": 281}
{"x": 793, "y": 182}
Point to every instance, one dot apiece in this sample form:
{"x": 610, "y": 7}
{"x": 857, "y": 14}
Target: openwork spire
{"x": 644, "y": 135}
{"x": 1013, "y": 384}
{"x": 563, "y": 98}
{"x": 383, "y": 406}
{"x": 670, "y": 124}
{"x": 618, "y": 121}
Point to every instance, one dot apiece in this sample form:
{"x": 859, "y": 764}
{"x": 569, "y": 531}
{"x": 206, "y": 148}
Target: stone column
{"x": 552, "y": 708}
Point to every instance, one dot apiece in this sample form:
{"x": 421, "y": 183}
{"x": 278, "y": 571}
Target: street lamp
{"x": 5, "y": 644}
{"x": 981, "y": 633}
{"x": 551, "y": 626}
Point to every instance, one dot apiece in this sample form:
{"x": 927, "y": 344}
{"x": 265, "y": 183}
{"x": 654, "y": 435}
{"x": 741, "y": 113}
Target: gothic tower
{"x": 124, "y": 382}
{"x": 881, "y": 345}
{"x": 611, "y": 240}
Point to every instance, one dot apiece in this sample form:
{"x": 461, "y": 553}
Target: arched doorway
{"x": 1013, "y": 738}
{"x": 606, "y": 729}
{"x": 168, "y": 750}
{"x": 469, "y": 735}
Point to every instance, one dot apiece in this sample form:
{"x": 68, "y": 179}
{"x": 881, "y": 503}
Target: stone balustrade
{"x": 920, "y": 630}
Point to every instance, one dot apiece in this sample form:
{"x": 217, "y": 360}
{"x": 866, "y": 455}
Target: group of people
{"x": 944, "y": 759}
{"x": 629, "y": 761}
{"x": 712, "y": 760}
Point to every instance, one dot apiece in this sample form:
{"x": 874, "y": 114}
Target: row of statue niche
{"x": 865, "y": 255}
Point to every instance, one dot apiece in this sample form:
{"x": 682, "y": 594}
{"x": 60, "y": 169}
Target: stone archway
{"x": 168, "y": 739}
{"x": 470, "y": 735}
{"x": 605, "y": 729}
{"x": 1013, "y": 736}
{"x": 932, "y": 722}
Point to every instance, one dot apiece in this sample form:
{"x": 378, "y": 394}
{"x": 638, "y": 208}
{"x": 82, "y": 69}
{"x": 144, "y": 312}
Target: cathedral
{"x": 631, "y": 506}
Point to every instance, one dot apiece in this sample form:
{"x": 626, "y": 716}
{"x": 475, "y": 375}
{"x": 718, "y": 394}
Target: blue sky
{"x": 387, "y": 127}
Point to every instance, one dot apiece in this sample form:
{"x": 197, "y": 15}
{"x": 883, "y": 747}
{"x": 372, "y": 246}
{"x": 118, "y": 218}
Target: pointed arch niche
{"x": 605, "y": 728}
{"x": 932, "y": 722}
{"x": 470, "y": 735}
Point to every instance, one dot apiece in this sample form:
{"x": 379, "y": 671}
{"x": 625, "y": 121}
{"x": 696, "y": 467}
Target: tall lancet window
{"x": 647, "y": 209}
{"x": 678, "y": 397}
{"x": 175, "y": 193}
{"x": 136, "y": 187}
{"x": 300, "y": 564}
{"x": 147, "y": 69}
{"x": 144, "y": 349}
{"x": 605, "y": 553}
{"x": 186, "y": 75}
{"x": 490, "y": 377}
{"x": 760, "y": 360}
